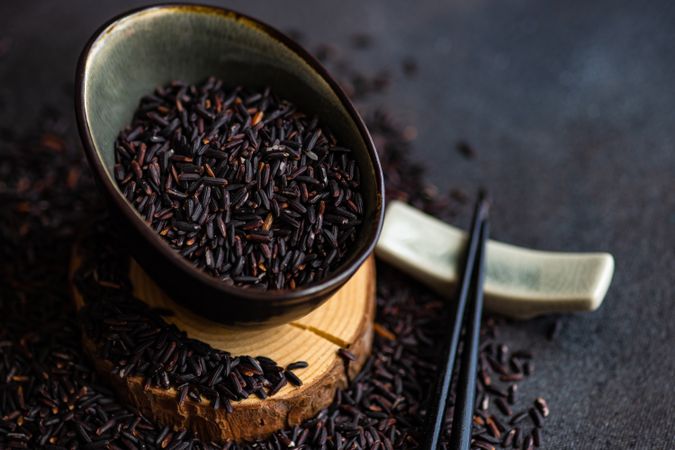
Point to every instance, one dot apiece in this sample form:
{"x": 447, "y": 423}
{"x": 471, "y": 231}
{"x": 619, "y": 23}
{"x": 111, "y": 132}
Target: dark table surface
{"x": 571, "y": 109}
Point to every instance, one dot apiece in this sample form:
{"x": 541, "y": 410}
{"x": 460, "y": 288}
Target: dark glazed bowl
{"x": 137, "y": 51}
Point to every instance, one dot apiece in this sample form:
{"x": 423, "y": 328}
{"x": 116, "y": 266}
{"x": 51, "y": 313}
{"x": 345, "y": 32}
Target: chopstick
{"x": 475, "y": 247}
{"x": 460, "y": 434}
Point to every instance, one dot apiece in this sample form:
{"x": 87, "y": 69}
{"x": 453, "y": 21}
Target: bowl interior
{"x": 151, "y": 47}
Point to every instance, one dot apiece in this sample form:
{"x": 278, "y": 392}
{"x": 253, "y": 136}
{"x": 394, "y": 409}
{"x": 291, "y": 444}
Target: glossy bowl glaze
{"x": 144, "y": 48}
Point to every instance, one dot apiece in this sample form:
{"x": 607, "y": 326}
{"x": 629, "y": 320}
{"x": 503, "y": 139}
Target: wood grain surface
{"x": 344, "y": 321}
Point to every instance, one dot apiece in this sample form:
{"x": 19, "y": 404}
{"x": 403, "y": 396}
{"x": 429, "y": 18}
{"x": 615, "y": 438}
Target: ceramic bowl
{"x": 134, "y": 53}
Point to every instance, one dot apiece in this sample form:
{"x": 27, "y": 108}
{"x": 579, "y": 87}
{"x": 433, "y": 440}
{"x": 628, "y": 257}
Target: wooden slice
{"x": 345, "y": 320}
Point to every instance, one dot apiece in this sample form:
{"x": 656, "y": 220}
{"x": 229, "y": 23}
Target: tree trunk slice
{"x": 343, "y": 321}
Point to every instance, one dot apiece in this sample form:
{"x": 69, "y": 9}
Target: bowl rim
{"x": 286, "y": 296}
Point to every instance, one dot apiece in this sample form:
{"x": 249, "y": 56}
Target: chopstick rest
{"x": 520, "y": 282}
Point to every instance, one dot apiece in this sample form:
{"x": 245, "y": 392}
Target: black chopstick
{"x": 460, "y": 435}
{"x": 438, "y": 400}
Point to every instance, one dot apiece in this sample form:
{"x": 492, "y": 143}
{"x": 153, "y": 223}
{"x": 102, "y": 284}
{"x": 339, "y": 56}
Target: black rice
{"x": 241, "y": 183}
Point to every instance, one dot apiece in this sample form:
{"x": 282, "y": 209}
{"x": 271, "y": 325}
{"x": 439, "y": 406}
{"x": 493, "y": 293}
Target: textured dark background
{"x": 570, "y": 106}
